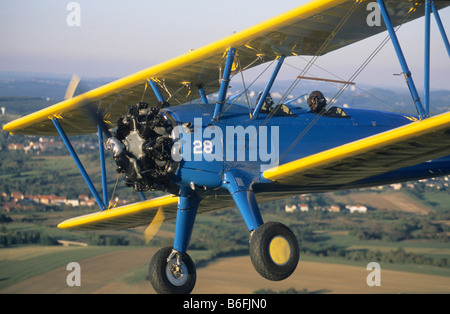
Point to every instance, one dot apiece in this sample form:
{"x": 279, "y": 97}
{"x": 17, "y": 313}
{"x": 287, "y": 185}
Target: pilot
{"x": 268, "y": 103}
{"x": 317, "y": 101}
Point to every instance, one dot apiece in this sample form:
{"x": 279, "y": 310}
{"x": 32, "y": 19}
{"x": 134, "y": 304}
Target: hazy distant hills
{"x": 42, "y": 85}
{"x": 22, "y": 93}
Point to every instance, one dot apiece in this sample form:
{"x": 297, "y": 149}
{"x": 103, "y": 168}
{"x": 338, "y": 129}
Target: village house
{"x": 73, "y": 202}
{"x": 357, "y": 209}
{"x": 334, "y": 208}
{"x": 290, "y": 208}
{"x": 396, "y": 186}
{"x": 303, "y": 207}
{"x": 16, "y": 197}
{"x": 14, "y": 146}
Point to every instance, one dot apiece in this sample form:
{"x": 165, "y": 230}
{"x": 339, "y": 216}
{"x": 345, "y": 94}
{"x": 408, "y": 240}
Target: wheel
{"x": 168, "y": 277}
{"x": 274, "y": 251}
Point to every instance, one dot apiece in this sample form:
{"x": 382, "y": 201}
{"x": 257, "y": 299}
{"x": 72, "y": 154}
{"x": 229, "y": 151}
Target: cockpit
{"x": 316, "y": 101}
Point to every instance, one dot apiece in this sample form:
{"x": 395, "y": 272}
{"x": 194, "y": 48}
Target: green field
{"x": 34, "y": 269}
{"x": 21, "y": 263}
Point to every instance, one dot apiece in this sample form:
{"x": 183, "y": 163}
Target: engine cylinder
{"x": 142, "y": 148}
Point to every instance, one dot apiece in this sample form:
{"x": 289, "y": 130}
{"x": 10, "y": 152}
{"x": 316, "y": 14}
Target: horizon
{"x": 115, "y": 39}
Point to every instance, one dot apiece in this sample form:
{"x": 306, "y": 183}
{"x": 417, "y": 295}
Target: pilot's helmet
{"x": 317, "y": 101}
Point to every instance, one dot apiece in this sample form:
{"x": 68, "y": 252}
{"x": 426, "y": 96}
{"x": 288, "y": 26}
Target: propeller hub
{"x": 114, "y": 145}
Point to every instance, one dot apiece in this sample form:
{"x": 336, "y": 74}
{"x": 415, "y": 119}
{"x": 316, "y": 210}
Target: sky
{"x": 116, "y": 38}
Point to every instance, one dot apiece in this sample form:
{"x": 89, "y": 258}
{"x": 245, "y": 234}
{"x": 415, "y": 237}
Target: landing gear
{"x": 274, "y": 251}
{"x": 171, "y": 269}
{"x": 172, "y": 272}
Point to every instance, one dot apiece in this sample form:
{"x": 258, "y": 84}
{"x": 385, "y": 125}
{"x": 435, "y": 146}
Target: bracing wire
{"x": 342, "y": 89}
{"x": 306, "y": 69}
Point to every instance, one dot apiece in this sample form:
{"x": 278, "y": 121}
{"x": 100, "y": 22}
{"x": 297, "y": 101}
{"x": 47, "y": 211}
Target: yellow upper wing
{"x": 401, "y": 147}
{"x": 315, "y": 28}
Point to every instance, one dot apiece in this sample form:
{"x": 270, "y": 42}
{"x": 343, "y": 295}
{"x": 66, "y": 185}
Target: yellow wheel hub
{"x": 279, "y": 250}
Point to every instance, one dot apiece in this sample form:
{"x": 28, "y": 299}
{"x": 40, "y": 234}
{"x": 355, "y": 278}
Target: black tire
{"x": 268, "y": 240}
{"x": 164, "y": 281}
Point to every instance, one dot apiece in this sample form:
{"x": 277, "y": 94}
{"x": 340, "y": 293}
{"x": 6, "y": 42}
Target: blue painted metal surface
{"x": 236, "y": 125}
{"x": 203, "y": 96}
{"x": 239, "y": 186}
{"x": 326, "y": 132}
{"x": 198, "y": 164}
{"x": 224, "y": 83}
{"x": 441, "y": 27}
{"x": 156, "y": 90}
{"x": 103, "y": 166}
{"x": 78, "y": 163}
{"x": 437, "y": 167}
{"x": 186, "y": 212}
{"x": 402, "y": 60}
{"x": 426, "y": 97}
{"x": 268, "y": 87}
{"x": 241, "y": 174}
{"x": 142, "y": 195}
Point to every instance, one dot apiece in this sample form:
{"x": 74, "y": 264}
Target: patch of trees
{"x": 317, "y": 245}
{"x": 11, "y": 238}
{"x": 115, "y": 240}
{"x": 413, "y": 227}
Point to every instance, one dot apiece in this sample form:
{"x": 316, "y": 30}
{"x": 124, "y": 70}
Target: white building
{"x": 357, "y": 209}
{"x": 290, "y": 208}
{"x": 303, "y": 207}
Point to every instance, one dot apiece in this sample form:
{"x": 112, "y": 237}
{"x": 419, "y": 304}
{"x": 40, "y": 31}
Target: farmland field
{"x": 384, "y": 201}
{"x": 123, "y": 270}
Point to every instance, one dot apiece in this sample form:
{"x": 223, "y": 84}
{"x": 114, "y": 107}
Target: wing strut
{"x": 156, "y": 90}
{"x": 402, "y": 60}
{"x": 431, "y": 7}
{"x": 426, "y": 80}
{"x": 224, "y": 83}
{"x": 101, "y": 148}
{"x": 262, "y": 99}
{"x": 78, "y": 162}
{"x": 202, "y": 92}
{"x": 441, "y": 27}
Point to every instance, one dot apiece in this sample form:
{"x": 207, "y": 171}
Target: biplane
{"x": 208, "y": 152}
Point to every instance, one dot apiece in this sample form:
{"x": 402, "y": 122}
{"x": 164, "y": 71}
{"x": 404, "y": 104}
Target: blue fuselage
{"x": 211, "y": 148}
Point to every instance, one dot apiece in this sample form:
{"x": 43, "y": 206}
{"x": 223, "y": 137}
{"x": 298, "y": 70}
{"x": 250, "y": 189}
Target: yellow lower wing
{"x": 401, "y": 147}
{"x": 128, "y": 216}
{"x": 153, "y": 212}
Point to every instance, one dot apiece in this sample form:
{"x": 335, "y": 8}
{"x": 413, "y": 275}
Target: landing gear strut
{"x": 171, "y": 269}
{"x": 274, "y": 249}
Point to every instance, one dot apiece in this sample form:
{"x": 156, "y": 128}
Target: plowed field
{"x": 102, "y": 273}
